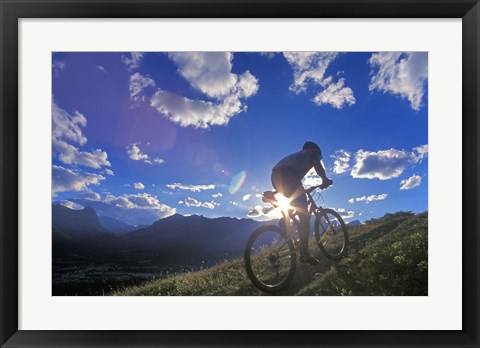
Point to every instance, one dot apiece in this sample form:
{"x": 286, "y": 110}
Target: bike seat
{"x": 269, "y": 197}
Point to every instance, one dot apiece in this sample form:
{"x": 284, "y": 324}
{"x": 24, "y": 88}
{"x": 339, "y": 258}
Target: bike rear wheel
{"x": 270, "y": 258}
{"x": 331, "y": 234}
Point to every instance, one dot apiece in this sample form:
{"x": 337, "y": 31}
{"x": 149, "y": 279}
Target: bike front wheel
{"x": 331, "y": 234}
{"x": 270, "y": 258}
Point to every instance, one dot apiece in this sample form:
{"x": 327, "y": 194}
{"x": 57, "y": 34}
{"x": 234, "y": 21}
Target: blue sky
{"x": 140, "y": 136}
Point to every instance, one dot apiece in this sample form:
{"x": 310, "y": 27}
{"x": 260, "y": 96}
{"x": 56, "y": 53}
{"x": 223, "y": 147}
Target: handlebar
{"x": 313, "y": 188}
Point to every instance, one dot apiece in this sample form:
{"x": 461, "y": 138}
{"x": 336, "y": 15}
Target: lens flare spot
{"x": 220, "y": 169}
{"x": 237, "y": 182}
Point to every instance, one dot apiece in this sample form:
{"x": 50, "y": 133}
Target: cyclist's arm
{"x": 326, "y": 182}
{"x": 320, "y": 171}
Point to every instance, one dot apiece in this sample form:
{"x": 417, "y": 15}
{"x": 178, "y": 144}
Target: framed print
{"x": 235, "y": 173}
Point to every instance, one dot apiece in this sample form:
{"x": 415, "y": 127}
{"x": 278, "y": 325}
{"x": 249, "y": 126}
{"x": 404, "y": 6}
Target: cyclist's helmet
{"x": 311, "y": 145}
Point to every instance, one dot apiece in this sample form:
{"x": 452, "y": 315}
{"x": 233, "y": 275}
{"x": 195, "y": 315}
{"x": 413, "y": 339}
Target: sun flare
{"x": 283, "y": 202}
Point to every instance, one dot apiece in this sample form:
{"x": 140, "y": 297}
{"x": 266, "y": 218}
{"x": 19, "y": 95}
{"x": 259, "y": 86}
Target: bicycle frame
{"x": 291, "y": 214}
{"x": 277, "y": 255}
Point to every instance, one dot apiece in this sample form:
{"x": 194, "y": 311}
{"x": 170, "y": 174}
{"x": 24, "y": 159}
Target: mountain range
{"x": 189, "y": 238}
{"x": 79, "y": 230}
{"x": 177, "y": 238}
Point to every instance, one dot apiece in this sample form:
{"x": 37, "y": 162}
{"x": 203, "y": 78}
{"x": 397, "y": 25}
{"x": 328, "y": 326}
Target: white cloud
{"x": 368, "y": 199}
{"x": 102, "y": 69}
{"x": 94, "y": 196}
{"x": 192, "y": 202}
{"x": 247, "y": 85}
{"x": 197, "y": 113}
{"x": 64, "y": 179}
{"x": 138, "y": 186}
{"x": 133, "y": 61}
{"x": 146, "y": 201}
{"x": 67, "y": 127}
{"x": 71, "y": 205}
{"x": 137, "y": 84}
{"x": 217, "y": 195}
{"x": 268, "y": 55}
{"x": 69, "y": 154}
{"x": 267, "y": 211}
{"x": 310, "y": 68}
{"x": 386, "y": 164}
{"x": 119, "y": 201}
{"x": 136, "y": 154}
{"x": 246, "y": 197}
{"x": 210, "y": 73}
{"x": 57, "y": 66}
{"x": 336, "y": 94}
{"x": 108, "y": 171}
{"x": 403, "y": 74}
{"x": 346, "y": 214}
{"x": 411, "y": 182}
{"x": 209, "y": 205}
{"x": 136, "y": 201}
{"x": 420, "y": 152}
{"x": 193, "y": 188}
{"x": 135, "y": 209}
{"x": 341, "y": 161}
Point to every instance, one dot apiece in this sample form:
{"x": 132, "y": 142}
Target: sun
{"x": 283, "y": 202}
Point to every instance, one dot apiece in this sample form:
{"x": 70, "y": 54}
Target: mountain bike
{"x": 271, "y": 251}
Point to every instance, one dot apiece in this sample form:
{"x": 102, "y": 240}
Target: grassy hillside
{"x": 388, "y": 256}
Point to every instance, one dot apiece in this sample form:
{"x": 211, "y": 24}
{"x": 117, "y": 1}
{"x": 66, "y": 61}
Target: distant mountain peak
{"x": 354, "y": 223}
{"x": 76, "y": 222}
{"x": 175, "y": 216}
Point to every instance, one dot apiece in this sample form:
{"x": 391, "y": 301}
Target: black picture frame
{"x": 13, "y": 10}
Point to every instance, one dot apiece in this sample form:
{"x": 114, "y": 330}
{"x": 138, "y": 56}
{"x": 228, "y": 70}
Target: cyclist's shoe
{"x": 307, "y": 258}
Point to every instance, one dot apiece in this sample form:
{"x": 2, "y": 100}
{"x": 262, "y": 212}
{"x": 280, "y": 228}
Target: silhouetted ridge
{"x": 195, "y": 237}
{"x": 78, "y": 226}
{"x": 84, "y": 219}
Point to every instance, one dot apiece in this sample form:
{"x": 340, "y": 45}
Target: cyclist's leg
{"x": 285, "y": 183}
{"x": 279, "y": 178}
{"x": 291, "y": 186}
{"x": 299, "y": 201}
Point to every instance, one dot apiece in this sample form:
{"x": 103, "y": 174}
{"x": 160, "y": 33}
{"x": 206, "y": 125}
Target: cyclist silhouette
{"x": 287, "y": 178}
